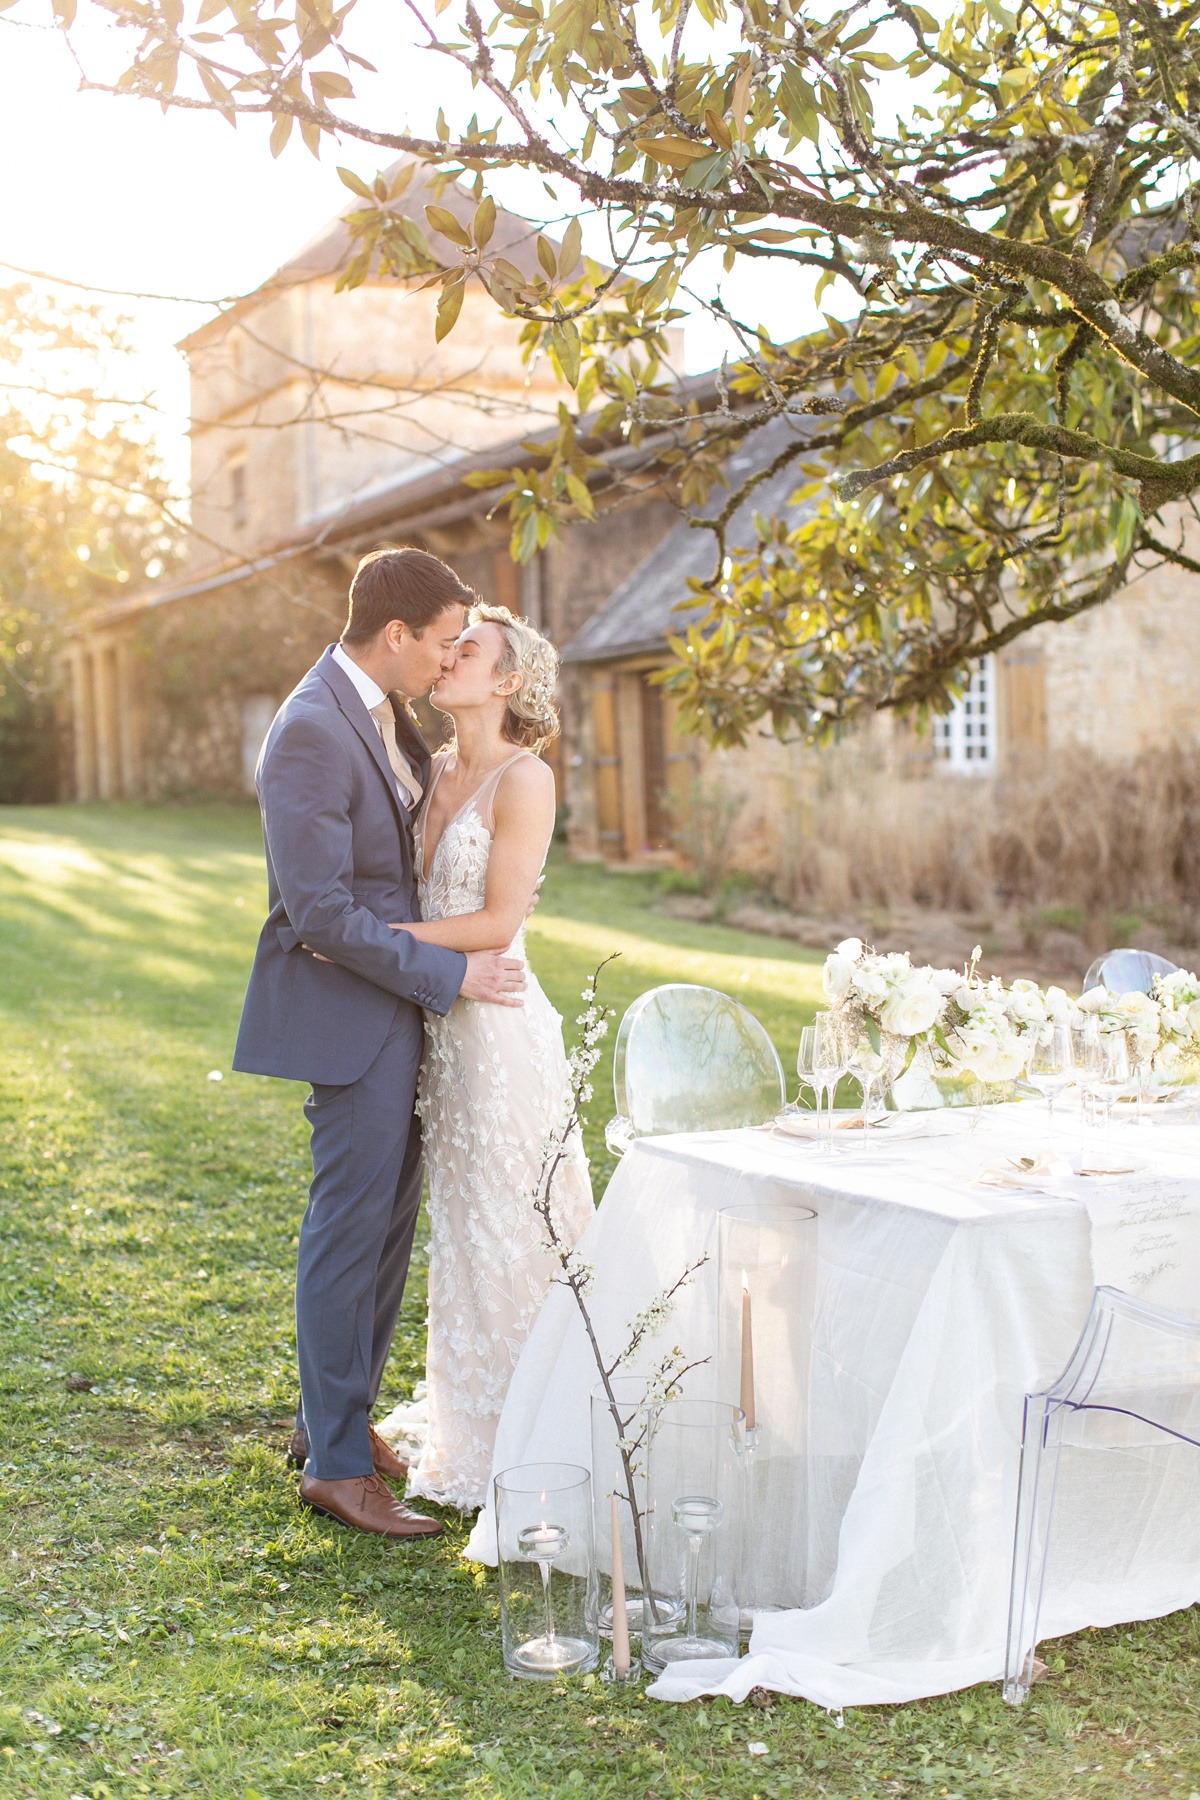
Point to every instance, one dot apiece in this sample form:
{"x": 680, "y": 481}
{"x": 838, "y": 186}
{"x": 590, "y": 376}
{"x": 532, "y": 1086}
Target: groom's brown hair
{"x": 409, "y": 585}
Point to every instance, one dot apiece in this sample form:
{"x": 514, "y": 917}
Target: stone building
{"x": 325, "y": 424}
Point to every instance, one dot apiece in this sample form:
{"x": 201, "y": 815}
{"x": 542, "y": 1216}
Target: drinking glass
{"x": 804, "y": 1066}
{"x": 547, "y": 1571}
{"x": 619, "y": 1447}
{"x": 1106, "y": 1074}
{"x": 829, "y": 1064}
{"x": 1051, "y": 1067}
{"x": 867, "y": 1066}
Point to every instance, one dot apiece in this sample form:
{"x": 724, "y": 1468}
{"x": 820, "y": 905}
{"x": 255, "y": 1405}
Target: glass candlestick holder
{"x": 766, "y": 1283}
{"x": 544, "y": 1545}
{"x": 694, "y": 1489}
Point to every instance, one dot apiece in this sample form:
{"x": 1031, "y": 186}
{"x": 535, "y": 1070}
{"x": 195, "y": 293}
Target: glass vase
{"x": 694, "y": 1483}
{"x": 544, "y": 1545}
{"x": 766, "y": 1283}
{"x": 619, "y": 1448}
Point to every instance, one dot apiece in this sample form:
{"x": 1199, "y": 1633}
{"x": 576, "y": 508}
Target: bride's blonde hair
{"x": 530, "y": 719}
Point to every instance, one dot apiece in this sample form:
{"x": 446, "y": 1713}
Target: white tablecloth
{"x": 940, "y": 1304}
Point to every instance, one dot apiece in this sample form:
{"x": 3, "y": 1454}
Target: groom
{"x": 335, "y": 999}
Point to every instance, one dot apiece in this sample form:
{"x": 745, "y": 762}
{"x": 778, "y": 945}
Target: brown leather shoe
{"x": 387, "y": 1463}
{"x": 367, "y": 1504}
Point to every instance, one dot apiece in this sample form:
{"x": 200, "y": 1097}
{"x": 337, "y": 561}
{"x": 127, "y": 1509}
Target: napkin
{"x": 898, "y": 1125}
{"x": 1024, "y": 1172}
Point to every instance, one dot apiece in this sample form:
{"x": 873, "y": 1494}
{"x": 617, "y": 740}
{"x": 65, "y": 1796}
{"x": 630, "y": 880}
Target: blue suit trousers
{"x": 355, "y": 1243}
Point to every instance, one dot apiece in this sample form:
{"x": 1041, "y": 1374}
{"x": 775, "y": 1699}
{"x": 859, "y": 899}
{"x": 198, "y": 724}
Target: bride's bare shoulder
{"x": 527, "y": 782}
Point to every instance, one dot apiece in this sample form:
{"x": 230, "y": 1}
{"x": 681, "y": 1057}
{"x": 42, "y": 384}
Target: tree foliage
{"x": 1003, "y": 433}
{"x": 81, "y": 515}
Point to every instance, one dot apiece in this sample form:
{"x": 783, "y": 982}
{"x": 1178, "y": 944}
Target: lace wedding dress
{"x": 493, "y": 1085}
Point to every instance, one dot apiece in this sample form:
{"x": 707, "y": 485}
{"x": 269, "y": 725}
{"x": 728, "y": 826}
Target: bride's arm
{"x": 523, "y": 823}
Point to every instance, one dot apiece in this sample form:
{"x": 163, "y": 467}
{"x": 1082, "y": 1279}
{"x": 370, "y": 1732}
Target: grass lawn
{"x": 170, "y": 1622}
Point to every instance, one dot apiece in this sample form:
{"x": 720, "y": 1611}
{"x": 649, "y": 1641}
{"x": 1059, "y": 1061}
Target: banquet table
{"x": 939, "y": 1303}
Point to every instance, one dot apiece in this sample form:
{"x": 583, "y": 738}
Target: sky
{"x": 113, "y": 193}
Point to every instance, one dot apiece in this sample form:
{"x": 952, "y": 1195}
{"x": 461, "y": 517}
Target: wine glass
{"x": 1106, "y": 1074}
{"x": 1051, "y": 1066}
{"x": 865, "y": 1065}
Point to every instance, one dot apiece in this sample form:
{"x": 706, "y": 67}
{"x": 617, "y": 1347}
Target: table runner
{"x": 940, "y": 1304}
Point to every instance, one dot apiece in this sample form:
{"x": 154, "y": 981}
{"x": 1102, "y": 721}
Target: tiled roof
{"x": 642, "y": 611}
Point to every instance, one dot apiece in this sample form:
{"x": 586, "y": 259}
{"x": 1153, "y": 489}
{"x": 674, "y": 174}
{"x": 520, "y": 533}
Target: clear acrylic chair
{"x": 691, "y": 1059}
{"x": 1132, "y": 1386}
{"x": 1127, "y": 971}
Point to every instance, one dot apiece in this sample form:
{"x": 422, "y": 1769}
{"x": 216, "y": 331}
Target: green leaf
{"x": 449, "y": 307}
{"x": 355, "y": 183}
{"x": 564, "y": 341}
{"x": 484, "y": 222}
{"x": 673, "y": 152}
{"x": 873, "y": 1035}
{"x": 572, "y": 243}
{"x": 444, "y": 221}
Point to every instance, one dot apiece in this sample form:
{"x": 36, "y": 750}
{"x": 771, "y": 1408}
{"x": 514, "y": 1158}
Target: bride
{"x": 494, "y": 1079}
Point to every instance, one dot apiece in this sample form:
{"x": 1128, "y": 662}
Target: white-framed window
{"x": 964, "y": 739}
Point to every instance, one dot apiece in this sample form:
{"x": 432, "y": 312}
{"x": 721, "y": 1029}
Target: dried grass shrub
{"x": 1080, "y": 832}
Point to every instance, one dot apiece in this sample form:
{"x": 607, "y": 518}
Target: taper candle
{"x": 747, "y": 1394}
{"x": 620, "y": 1614}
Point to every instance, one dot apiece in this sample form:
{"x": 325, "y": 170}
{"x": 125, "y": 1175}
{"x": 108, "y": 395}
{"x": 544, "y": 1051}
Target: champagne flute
{"x": 1051, "y": 1066}
{"x": 828, "y": 1062}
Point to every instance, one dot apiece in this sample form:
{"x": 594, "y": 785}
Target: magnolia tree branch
{"x": 1017, "y": 388}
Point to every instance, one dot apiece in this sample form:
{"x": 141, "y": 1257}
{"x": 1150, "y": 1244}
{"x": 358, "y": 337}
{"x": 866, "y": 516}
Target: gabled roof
{"x": 642, "y": 612}
{"x": 330, "y": 249}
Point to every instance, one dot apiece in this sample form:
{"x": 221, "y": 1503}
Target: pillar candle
{"x": 747, "y": 1395}
{"x": 620, "y": 1616}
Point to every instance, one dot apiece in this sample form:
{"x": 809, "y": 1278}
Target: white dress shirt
{"x": 371, "y": 694}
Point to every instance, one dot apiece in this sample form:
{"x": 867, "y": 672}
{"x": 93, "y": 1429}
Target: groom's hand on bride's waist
{"x": 497, "y": 979}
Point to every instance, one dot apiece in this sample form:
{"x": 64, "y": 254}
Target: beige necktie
{"x": 404, "y": 775}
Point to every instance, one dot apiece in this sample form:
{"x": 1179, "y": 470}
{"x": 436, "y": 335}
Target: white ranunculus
{"x": 836, "y": 976}
{"x": 1026, "y": 1003}
{"x": 911, "y": 1008}
{"x": 1095, "y": 1000}
{"x": 851, "y": 949}
{"x": 945, "y": 980}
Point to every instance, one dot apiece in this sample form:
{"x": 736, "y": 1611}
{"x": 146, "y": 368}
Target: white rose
{"x": 911, "y": 1008}
{"x": 945, "y": 980}
{"x": 1058, "y": 1006}
{"x": 869, "y": 984}
{"x": 850, "y": 948}
{"x": 836, "y": 976}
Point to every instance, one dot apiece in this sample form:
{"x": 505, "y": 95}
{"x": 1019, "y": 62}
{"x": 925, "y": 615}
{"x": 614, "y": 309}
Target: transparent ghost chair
{"x": 1126, "y": 1410}
{"x": 691, "y": 1059}
{"x": 1127, "y": 971}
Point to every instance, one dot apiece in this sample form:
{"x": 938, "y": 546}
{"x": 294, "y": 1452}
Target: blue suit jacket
{"x": 340, "y": 867}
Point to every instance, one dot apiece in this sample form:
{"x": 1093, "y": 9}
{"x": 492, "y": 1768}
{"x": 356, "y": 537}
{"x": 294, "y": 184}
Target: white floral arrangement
{"x": 981, "y": 1030}
{"x": 1162, "y": 1028}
